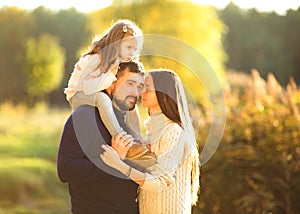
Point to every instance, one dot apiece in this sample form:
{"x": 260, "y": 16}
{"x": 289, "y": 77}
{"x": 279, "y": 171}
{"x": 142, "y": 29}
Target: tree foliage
{"x": 69, "y": 27}
{"x": 257, "y": 165}
{"x": 43, "y": 65}
{"x": 198, "y": 27}
{"x": 15, "y": 28}
{"x": 263, "y": 41}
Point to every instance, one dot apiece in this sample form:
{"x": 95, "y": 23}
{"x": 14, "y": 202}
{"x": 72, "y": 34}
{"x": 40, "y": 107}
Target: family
{"x": 108, "y": 166}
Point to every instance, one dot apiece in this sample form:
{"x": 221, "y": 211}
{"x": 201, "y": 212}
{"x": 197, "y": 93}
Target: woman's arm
{"x": 111, "y": 158}
{"x": 73, "y": 163}
{"x": 162, "y": 173}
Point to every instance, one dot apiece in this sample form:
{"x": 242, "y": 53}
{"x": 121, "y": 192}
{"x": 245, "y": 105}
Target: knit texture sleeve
{"x": 169, "y": 150}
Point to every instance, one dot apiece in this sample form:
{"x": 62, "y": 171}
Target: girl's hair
{"x": 108, "y": 44}
{"x": 165, "y": 90}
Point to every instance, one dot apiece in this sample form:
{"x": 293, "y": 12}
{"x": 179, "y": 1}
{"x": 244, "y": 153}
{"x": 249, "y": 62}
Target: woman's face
{"x": 129, "y": 48}
{"x": 149, "y": 98}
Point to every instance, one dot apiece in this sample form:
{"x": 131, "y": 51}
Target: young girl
{"x": 96, "y": 70}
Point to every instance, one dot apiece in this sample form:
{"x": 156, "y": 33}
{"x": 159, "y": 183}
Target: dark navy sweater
{"x": 94, "y": 187}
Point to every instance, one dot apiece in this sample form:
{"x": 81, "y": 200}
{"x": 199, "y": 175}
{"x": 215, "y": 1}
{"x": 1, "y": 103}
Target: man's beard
{"x": 123, "y": 105}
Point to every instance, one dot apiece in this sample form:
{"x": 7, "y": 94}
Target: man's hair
{"x": 133, "y": 66}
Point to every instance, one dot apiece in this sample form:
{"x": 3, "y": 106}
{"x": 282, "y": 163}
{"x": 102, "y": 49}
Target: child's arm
{"x": 107, "y": 114}
{"x": 133, "y": 122}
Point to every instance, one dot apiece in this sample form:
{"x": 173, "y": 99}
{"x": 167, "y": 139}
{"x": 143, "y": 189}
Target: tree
{"x": 256, "y": 168}
{"x": 69, "y": 27}
{"x": 43, "y": 66}
{"x": 15, "y": 27}
{"x": 261, "y": 41}
{"x": 197, "y": 26}
{"x": 291, "y": 37}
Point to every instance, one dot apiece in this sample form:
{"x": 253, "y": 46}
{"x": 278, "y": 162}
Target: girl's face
{"x": 149, "y": 98}
{"x": 129, "y": 48}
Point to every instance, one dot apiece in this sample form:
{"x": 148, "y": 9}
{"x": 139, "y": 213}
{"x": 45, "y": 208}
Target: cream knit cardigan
{"x": 169, "y": 193}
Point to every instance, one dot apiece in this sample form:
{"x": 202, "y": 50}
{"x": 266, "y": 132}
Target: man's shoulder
{"x": 84, "y": 117}
{"x": 85, "y": 112}
{"x": 83, "y": 109}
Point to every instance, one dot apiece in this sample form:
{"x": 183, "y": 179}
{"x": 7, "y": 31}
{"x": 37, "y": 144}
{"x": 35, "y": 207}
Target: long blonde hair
{"x": 108, "y": 44}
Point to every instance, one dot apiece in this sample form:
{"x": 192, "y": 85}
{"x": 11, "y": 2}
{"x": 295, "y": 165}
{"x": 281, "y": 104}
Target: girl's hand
{"x": 122, "y": 143}
{"x": 111, "y": 157}
{"x": 115, "y": 66}
{"x": 145, "y": 143}
{"x": 129, "y": 58}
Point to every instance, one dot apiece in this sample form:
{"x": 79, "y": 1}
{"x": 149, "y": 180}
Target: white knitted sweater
{"x": 169, "y": 193}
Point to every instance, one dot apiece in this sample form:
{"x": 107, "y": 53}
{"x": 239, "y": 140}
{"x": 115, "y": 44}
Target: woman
{"x": 173, "y": 182}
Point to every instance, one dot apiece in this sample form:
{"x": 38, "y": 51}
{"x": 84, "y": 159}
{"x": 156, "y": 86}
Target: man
{"x": 94, "y": 187}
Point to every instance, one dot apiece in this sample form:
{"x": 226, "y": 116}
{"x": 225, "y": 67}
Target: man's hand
{"x": 122, "y": 143}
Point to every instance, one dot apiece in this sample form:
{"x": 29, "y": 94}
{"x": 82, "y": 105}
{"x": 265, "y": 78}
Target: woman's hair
{"x": 166, "y": 92}
{"x": 165, "y": 89}
{"x": 108, "y": 44}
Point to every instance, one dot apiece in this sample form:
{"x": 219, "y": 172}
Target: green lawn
{"x": 29, "y": 141}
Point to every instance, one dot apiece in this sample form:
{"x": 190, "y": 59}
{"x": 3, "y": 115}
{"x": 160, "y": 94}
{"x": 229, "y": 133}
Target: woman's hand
{"x": 122, "y": 143}
{"x": 111, "y": 157}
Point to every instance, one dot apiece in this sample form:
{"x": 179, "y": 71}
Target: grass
{"x": 29, "y": 139}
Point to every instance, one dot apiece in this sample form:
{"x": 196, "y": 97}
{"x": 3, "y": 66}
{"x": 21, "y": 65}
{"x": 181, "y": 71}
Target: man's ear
{"x": 111, "y": 87}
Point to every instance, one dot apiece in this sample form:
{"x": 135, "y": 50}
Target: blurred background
{"x": 254, "y": 52}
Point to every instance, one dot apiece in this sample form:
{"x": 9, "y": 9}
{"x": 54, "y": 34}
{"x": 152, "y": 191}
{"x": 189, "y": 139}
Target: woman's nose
{"x": 142, "y": 92}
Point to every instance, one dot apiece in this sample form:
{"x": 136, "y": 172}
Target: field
{"x": 256, "y": 168}
{"x": 29, "y": 141}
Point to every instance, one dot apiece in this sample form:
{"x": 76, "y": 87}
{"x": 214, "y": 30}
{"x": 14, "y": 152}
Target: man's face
{"x": 126, "y": 90}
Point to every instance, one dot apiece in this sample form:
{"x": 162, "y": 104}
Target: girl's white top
{"x": 87, "y": 77}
